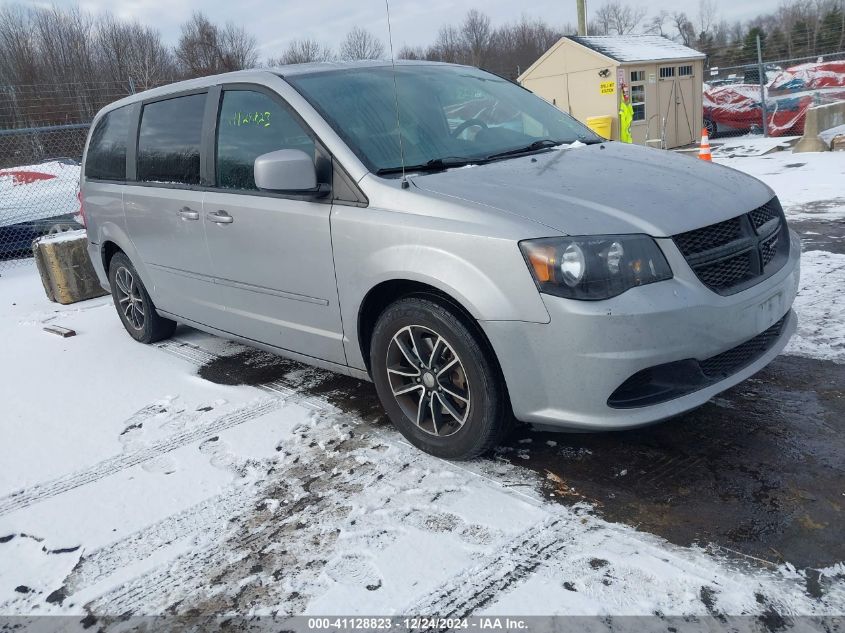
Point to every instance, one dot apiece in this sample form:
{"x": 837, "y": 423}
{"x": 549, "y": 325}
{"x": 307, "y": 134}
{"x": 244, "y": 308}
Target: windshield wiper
{"x": 435, "y": 164}
{"x": 543, "y": 143}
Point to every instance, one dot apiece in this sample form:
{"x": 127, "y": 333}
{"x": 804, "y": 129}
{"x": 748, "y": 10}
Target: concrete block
{"x": 65, "y": 268}
{"x": 817, "y": 119}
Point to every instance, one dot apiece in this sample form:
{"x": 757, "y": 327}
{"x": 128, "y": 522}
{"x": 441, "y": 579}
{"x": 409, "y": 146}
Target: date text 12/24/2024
{"x": 416, "y": 623}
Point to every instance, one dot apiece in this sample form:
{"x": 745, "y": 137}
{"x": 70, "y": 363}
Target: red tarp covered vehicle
{"x": 788, "y": 96}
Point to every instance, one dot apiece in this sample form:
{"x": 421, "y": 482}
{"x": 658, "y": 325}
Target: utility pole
{"x": 582, "y": 17}
{"x": 762, "y": 72}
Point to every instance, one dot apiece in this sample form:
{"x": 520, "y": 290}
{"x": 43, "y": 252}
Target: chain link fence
{"x": 39, "y": 183}
{"x": 771, "y": 97}
{"x": 43, "y": 127}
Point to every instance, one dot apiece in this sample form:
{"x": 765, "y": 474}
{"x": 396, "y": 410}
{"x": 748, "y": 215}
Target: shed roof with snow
{"x": 636, "y": 48}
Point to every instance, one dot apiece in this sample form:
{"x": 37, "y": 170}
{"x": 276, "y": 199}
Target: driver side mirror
{"x": 286, "y": 170}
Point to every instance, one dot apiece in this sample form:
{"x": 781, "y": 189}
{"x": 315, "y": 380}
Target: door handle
{"x": 186, "y": 213}
{"x": 221, "y": 217}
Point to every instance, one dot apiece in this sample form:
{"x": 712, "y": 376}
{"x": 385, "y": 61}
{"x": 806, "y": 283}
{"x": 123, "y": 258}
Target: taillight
{"x": 82, "y": 209}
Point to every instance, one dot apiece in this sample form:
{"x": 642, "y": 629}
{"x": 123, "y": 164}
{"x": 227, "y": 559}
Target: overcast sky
{"x": 276, "y": 22}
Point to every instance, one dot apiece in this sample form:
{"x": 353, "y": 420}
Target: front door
{"x": 271, "y": 255}
{"x": 163, "y": 211}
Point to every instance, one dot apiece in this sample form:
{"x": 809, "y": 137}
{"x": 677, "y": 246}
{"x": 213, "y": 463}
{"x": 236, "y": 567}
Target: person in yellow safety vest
{"x": 626, "y": 116}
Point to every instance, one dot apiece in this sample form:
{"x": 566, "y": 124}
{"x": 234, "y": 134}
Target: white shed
{"x": 585, "y": 75}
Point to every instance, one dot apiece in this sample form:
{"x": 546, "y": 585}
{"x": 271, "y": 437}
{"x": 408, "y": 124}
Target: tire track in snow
{"x": 289, "y": 390}
{"x": 187, "y": 351}
{"x": 281, "y": 393}
{"x": 474, "y": 587}
{"x": 283, "y": 534}
{"x": 207, "y": 519}
{"x": 208, "y": 523}
{"x": 29, "y": 496}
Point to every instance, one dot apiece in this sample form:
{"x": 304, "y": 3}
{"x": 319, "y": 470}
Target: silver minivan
{"x": 494, "y": 261}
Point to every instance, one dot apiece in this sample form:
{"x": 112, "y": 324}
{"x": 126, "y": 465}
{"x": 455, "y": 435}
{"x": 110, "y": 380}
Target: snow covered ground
{"x": 131, "y": 485}
{"x": 811, "y": 188}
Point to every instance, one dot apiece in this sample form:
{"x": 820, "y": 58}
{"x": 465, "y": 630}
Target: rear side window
{"x": 251, "y": 124}
{"x": 106, "y": 159}
{"x": 169, "y": 140}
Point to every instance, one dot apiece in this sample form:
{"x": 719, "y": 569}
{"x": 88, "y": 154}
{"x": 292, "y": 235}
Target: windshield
{"x": 447, "y": 113}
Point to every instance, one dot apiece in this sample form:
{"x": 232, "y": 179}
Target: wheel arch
{"x": 108, "y": 250}
{"x": 388, "y": 292}
{"x": 113, "y": 239}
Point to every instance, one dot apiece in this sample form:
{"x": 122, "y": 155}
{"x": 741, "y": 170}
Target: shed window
{"x": 637, "y": 75}
{"x": 684, "y": 71}
{"x": 638, "y": 102}
{"x": 667, "y": 71}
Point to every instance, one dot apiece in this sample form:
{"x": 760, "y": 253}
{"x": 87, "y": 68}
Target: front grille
{"x": 768, "y": 211}
{"x": 726, "y": 273}
{"x": 709, "y": 237}
{"x": 736, "y": 254}
{"x": 770, "y": 249}
{"x": 672, "y": 380}
{"x": 736, "y": 358}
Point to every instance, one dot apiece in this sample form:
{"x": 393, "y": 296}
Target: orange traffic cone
{"x": 704, "y": 152}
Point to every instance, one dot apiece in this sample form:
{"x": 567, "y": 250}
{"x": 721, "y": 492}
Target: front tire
{"x": 438, "y": 382}
{"x": 134, "y": 306}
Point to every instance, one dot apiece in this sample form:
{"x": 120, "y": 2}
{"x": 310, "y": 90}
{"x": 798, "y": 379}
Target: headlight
{"x": 596, "y": 266}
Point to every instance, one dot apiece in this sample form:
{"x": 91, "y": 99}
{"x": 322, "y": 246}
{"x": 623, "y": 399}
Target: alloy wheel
{"x": 129, "y": 298}
{"x": 428, "y": 380}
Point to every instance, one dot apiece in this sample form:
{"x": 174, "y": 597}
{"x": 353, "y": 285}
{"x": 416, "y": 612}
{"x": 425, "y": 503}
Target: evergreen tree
{"x": 749, "y": 45}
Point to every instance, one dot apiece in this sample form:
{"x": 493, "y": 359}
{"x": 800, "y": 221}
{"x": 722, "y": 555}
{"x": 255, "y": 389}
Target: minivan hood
{"x": 612, "y": 188}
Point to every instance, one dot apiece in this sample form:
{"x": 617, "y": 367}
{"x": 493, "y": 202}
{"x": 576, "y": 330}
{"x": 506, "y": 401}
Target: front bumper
{"x": 562, "y": 373}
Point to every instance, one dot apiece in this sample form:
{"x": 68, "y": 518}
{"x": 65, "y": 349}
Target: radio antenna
{"x": 405, "y": 184}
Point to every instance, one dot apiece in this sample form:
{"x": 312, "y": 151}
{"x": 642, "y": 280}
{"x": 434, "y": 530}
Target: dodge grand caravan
{"x": 474, "y": 251}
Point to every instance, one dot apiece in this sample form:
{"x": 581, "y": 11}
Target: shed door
{"x": 677, "y": 100}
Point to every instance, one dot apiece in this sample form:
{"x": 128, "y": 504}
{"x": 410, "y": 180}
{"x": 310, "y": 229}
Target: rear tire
{"x": 438, "y": 382}
{"x": 134, "y": 306}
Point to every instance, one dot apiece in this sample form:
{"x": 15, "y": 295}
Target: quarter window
{"x": 251, "y": 124}
{"x": 106, "y": 159}
{"x": 169, "y": 140}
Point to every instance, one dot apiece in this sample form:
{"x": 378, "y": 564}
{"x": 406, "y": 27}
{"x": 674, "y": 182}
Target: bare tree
{"x": 477, "y": 34}
{"x": 303, "y": 51}
{"x": 361, "y": 44}
{"x": 615, "y": 18}
{"x": 684, "y": 28}
{"x": 707, "y": 15}
{"x": 129, "y": 51}
{"x": 206, "y": 49}
{"x": 657, "y": 24}
{"x": 516, "y": 46}
{"x": 198, "y": 49}
{"x": 238, "y": 48}
{"x": 449, "y": 46}
{"x": 19, "y": 54}
{"x": 412, "y": 52}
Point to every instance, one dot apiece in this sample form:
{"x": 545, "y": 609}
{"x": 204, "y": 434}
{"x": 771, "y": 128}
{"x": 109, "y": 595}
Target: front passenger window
{"x": 251, "y": 124}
